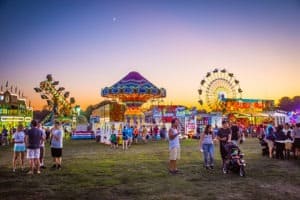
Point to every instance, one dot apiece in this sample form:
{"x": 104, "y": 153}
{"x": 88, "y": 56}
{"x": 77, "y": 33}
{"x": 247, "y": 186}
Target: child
{"x": 113, "y": 139}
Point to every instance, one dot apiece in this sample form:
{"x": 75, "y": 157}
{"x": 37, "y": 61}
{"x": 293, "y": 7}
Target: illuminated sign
{"x": 248, "y": 104}
{"x": 12, "y": 119}
{"x": 27, "y": 119}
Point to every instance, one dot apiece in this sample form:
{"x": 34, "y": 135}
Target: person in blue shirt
{"x": 130, "y": 135}
{"x": 125, "y": 138}
{"x": 270, "y": 138}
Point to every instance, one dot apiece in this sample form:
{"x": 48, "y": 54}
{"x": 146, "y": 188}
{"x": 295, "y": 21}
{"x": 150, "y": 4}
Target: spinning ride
{"x": 133, "y": 90}
{"x": 57, "y": 99}
{"x": 217, "y": 86}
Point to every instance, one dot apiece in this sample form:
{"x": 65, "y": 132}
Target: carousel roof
{"x": 134, "y": 79}
{"x": 133, "y": 87}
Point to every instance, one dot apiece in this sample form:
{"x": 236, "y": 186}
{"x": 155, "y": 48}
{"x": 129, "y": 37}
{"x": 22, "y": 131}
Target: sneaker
{"x": 211, "y": 167}
{"x": 38, "y": 172}
{"x": 53, "y": 166}
{"x": 58, "y": 167}
{"x": 177, "y": 171}
{"x": 43, "y": 167}
{"x": 225, "y": 171}
{"x": 14, "y": 170}
{"x": 172, "y": 172}
{"x": 206, "y": 167}
{"x": 30, "y": 172}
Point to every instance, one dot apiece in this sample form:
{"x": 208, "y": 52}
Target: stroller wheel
{"x": 242, "y": 171}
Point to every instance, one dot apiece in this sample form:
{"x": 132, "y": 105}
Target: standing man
{"x": 56, "y": 145}
{"x": 174, "y": 146}
{"x": 235, "y": 135}
{"x": 130, "y": 135}
{"x": 224, "y": 136}
{"x": 33, "y": 140}
{"x": 42, "y": 146}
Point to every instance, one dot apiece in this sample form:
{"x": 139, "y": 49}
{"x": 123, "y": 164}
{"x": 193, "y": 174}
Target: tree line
{"x": 289, "y": 104}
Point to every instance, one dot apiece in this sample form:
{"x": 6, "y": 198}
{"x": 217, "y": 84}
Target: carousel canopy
{"x": 133, "y": 90}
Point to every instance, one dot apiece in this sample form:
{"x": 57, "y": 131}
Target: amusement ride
{"x": 133, "y": 90}
{"x": 217, "y": 86}
{"x": 60, "y": 105}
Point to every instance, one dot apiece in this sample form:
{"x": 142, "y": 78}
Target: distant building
{"x": 14, "y": 110}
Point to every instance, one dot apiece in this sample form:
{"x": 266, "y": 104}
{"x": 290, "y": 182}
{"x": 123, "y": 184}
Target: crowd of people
{"x": 30, "y": 143}
{"x": 228, "y": 137}
{"x": 127, "y": 135}
{"x": 281, "y": 140}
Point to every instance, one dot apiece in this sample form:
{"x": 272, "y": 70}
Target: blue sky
{"x": 88, "y": 45}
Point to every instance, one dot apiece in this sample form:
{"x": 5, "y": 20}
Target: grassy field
{"x": 94, "y": 171}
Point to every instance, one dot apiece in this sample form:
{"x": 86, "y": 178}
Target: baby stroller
{"x": 264, "y": 146}
{"x": 235, "y": 161}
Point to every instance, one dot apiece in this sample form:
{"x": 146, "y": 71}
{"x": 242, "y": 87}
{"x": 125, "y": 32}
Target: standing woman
{"x": 56, "y": 145}
{"x": 19, "y": 147}
{"x": 206, "y": 144}
{"x": 297, "y": 140}
{"x": 270, "y": 138}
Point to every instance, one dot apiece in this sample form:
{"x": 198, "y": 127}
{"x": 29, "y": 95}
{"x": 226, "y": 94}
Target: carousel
{"x": 133, "y": 90}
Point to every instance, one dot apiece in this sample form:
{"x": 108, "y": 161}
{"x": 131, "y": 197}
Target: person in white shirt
{"x": 174, "y": 146}
{"x": 19, "y": 147}
{"x": 56, "y": 145}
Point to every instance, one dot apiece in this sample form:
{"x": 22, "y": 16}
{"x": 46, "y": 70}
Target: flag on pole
{"x": 6, "y": 85}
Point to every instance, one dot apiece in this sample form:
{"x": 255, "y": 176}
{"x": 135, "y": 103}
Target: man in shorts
{"x": 33, "y": 140}
{"x": 56, "y": 145}
{"x": 174, "y": 146}
{"x": 42, "y": 146}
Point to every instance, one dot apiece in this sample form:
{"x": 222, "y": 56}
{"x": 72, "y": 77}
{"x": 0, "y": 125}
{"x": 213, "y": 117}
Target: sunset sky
{"x": 87, "y": 45}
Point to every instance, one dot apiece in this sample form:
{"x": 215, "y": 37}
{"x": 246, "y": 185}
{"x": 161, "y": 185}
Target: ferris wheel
{"x": 217, "y": 86}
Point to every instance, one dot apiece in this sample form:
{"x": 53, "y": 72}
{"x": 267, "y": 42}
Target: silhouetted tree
{"x": 296, "y": 103}
{"x": 288, "y": 104}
